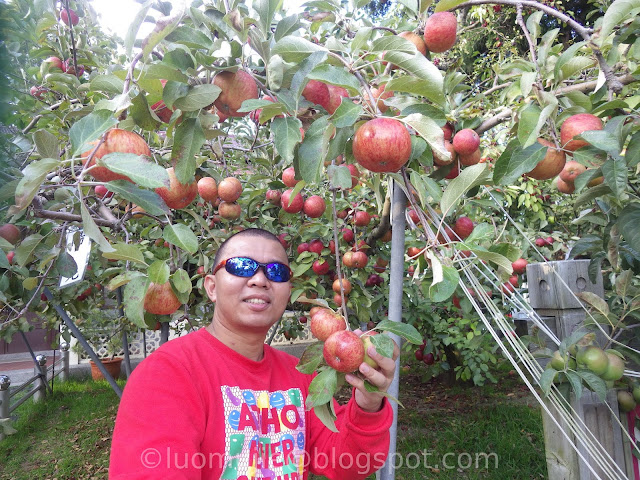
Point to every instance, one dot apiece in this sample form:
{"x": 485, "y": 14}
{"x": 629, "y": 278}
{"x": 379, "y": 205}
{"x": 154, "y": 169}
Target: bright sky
{"x": 117, "y": 15}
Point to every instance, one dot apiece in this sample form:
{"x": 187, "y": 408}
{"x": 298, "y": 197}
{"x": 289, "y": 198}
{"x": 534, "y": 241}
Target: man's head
{"x": 248, "y": 303}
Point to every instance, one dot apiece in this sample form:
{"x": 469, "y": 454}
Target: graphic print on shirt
{"x": 264, "y": 434}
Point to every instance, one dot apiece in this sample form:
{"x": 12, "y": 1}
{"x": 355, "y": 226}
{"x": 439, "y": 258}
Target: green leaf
{"x": 615, "y": 173}
{"x": 138, "y": 168}
{"x": 546, "y": 380}
{"x": 322, "y": 388}
{"x": 527, "y": 123}
{"x": 311, "y": 358}
{"x": 126, "y": 252}
{"x": 427, "y": 84}
{"x": 614, "y": 15}
{"x": 164, "y": 26}
{"x": 633, "y": 150}
{"x": 286, "y": 135}
{"x": 117, "y": 104}
{"x": 623, "y": 282}
{"x": 339, "y": 176}
{"x": 181, "y": 236}
{"x": 66, "y": 265}
{"x": 591, "y": 193}
{"x": 444, "y": 5}
{"x": 132, "y": 31}
{"x": 470, "y": 177}
{"x": 133, "y": 300}
{"x": 403, "y": 330}
{"x": 286, "y": 26}
{"x": 588, "y": 243}
{"x": 295, "y": 49}
{"x": 199, "y": 96}
{"x": 141, "y": 114}
{"x": 300, "y": 79}
{"x": 441, "y": 291}
{"x": 394, "y": 43}
{"x": 346, "y": 114}
{"x": 190, "y": 37}
{"x": 162, "y": 71}
{"x": 492, "y": 257}
{"x": 266, "y": 10}
{"x": 107, "y": 84}
{"x": 34, "y": 174}
{"x": 26, "y": 248}
{"x": 568, "y": 55}
{"x": 595, "y": 301}
{"x": 90, "y": 128}
{"x": 576, "y": 382}
{"x": 123, "y": 279}
{"x": 189, "y": 138}
{"x": 313, "y": 149}
{"x": 92, "y": 231}
{"x": 384, "y": 345}
{"x": 595, "y": 383}
{"x": 629, "y": 224}
{"x": 516, "y": 161}
{"x": 429, "y": 130}
{"x": 603, "y": 140}
{"x": 159, "y": 272}
{"x": 151, "y": 202}
{"x": 47, "y": 144}
{"x": 181, "y": 281}
{"x": 326, "y": 415}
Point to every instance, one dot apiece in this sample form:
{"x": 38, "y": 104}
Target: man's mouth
{"x": 256, "y": 301}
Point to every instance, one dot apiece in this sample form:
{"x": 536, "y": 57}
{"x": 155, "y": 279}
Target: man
{"x": 220, "y": 404}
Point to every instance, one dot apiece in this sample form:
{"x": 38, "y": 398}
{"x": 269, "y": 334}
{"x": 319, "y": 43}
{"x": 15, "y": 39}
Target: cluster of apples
{"x": 343, "y": 350}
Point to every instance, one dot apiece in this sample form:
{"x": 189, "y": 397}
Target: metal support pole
{"x": 5, "y": 383}
{"x": 64, "y": 354}
{"x": 40, "y": 385}
{"x": 125, "y": 340}
{"x": 396, "y": 277}
{"x": 164, "y": 332}
{"x": 83, "y": 342}
{"x": 34, "y": 358}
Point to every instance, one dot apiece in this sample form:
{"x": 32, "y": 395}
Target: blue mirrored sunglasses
{"x": 247, "y": 267}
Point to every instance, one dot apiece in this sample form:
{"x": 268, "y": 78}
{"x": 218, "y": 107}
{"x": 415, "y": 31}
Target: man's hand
{"x": 381, "y": 377}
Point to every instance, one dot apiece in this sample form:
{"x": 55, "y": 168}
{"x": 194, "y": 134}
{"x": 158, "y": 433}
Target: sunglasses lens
{"x": 277, "y": 272}
{"x": 242, "y": 267}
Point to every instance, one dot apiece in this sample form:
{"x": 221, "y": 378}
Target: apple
{"x": 316, "y": 246}
{"x": 594, "y": 358}
{"x": 381, "y": 265}
{"x": 255, "y": 114}
{"x": 413, "y": 215}
{"x": 102, "y": 192}
{"x": 348, "y": 235}
{"x": 453, "y": 173}
{"x": 64, "y": 16}
{"x": 565, "y": 187}
{"x": 382, "y": 145}
{"x": 302, "y": 319}
{"x": 440, "y": 31}
{"x": 296, "y": 204}
{"x": 440, "y": 160}
{"x": 380, "y": 94}
{"x": 208, "y": 189}
{"x": 336, "y": 94}
{"x": 419, "y": 354}
{"x": 10, "y": 233}
{"x": 230, "y": 189}
{"x": 54, "y": 62}
{"x": 429, "y": 359}
{"x": 321, "y": 267}
{"x": 347, "y": 259}
{"x": 575, "y": 125}
{"x": 447, "y": 130}
{"x": 466, "y": 141}
{"x": 355, "y": 175}
{"x": 317, "y": 93}
{"x": 116, "y": 141}
{"x": 37, "y": 92}
{"x": 513, "y": 280}
{"x": 289, "y": 177}
{"x": 413, "y": 251}
{"x": 540, "y": 242}
{"x": 520, "y": 265}
{"x": 284, "y": 240}
{"x": 160, "y": 299}
{"x": 230, "y": 210}
{"x": 332, "y": 246}
{"x": 373, "y": 280}
{"x": 160, "y": 109}
{"x": 361, "y": 245}
{"x": 446, "y": 232}
{"x": 200, "y": 271}
{"x": 416, "y": 40}
{"x": 626, "y": 401}
{"x": 70, "y": 68}
{"x": 178, "y": 195}
{"x": 325, "y": 322}
{"x": 615, "y": 368}
{"x": 346, "y": 285}
{"x": 507, "y": 288}
{"x": 10, "y": 256}
{"x": 314, "y": 206}
{"x": 463, "y": 227}
{"x": 359, "y": 259}
{"x": 472, "y": 159}
{"x": 342, "y": 214}
{"x": 362, "y": 219}
{"x": 571, "y": 171}
{"x": 236, "y": 88}
{"x": 366, "y": 340}
{"x": 303, "y": 247}
{"x": 273, "y": 196}
{"x": 552, "y": 163}
{"x": 343, "y": 351}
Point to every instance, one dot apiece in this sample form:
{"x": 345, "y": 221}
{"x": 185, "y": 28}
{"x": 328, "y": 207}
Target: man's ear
{"x": 210, "y": 287}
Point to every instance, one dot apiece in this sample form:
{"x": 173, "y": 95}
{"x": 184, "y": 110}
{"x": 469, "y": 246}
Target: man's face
{"x": 249, "y": 303}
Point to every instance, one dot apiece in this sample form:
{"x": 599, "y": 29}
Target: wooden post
{"x": 551, "y": 289}
{"x": 5, "y": 397}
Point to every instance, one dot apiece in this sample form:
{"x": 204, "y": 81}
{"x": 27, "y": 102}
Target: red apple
{"x": 519, "y": 266}
{"x": 575, "y": 125}
{"x": 362, "y": 219}
{"x": 284, "y": 240}
{"x": 355, "y": 175}
{"x": 273, "y": 196}
{"x": 382, "y": 145}
{"x": 472, "y": 159}
{"x": 317, "y": 93}
{"x": 10, "y": 256}
{"x": 289, "y": 177}
{"x": 303, "y": 247}
{"x": 64, "y": 16}
{"x": 54, "y": 62}
{"x": 314, "y": 206}
{"x": 380, "y": 95}
{"x": 37, "y": 92}
{"x": 416, "y": 40}
{"x": 429, "y": 359}
{"x": 440, "y": 31}
{"x": 324, "y": 323}
{"x": 178, "y": 195}
{"x": 346, "y": 285}
{"x": 230, "y": 189}
{"x": 296, "y": 204}
{"x": 448, "y": 131}
{"x": 571, "y": 170}
{"x": 565, "y": 187}
{"x": 208, "y": 189}
{"x": 336, "y": 94}
{"x": 302, "y": 319}
{"x": 513, "y": 280}
{"x": 343, "y": 351}
{"x": 321, "y": 267}
{"x": 316, "y": 246}
{"x": 200, "y": 271}
{"x": 230, "y": 210}
{"x": 441, "y": 160}
{"x": 160, "y": 299}
{"x": 10, "y": 233}
{"x": 359, "y": 259}
{"x": 102, "y": 192}
{"x": 236, "y": 88}
{"x": 466, "y": 141}
{"x": 463, "y": 227}
{"x": 552, "y": 163}
{"x": 347, "y": 235}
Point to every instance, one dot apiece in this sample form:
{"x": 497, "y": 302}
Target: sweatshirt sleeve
{"x": 160, "y": 412}
{"x": 359, "y": 448}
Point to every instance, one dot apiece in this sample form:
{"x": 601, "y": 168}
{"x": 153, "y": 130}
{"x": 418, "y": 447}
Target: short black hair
{"x": 252, "y": 232}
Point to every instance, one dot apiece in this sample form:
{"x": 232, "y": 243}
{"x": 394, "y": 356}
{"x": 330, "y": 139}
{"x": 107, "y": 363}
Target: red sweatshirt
{"x": 195, "y": 409}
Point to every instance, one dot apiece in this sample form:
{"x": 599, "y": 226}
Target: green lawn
{"x": 458, "y": 432}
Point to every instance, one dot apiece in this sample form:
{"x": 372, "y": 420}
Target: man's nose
{"x": 259, "y": 278}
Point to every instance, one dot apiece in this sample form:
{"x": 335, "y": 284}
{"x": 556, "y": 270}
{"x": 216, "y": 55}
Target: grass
{"x": 443, "y": 429}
